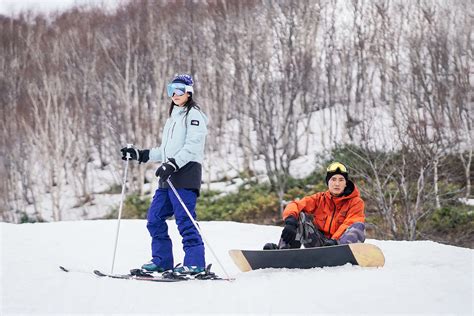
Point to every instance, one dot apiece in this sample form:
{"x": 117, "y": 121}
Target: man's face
{"x": 337, "y": 184}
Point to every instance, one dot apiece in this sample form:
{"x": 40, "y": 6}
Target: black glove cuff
{"x": 290, "y": 220}
{"x": 144, "y": 155}
{"x": 173, "y": 162}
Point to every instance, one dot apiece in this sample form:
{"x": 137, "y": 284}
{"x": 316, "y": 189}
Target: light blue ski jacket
{"x": 183, "y": 137}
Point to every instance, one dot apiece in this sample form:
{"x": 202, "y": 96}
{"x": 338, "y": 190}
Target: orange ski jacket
{"x": 332, "y": 215}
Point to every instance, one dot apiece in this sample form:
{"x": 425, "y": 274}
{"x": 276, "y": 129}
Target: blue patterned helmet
{"x": 180, "y": 85}
{"x": 183, "y": 78}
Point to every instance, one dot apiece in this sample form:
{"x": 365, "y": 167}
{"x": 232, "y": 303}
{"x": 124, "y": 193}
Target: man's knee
{"x": 353, "y": 234}
{"x": 310, "y": 236}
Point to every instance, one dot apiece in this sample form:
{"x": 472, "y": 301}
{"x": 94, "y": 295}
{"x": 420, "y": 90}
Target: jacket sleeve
{"x": 308, "y": 203}
{"x": 155, "y": 154}
{"x": 196, "y": 131}
{"x": 354, "y": 214}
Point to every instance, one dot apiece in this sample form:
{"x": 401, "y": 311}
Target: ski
{"x": 167, "y": 276}
{"x": 150, "y": 278}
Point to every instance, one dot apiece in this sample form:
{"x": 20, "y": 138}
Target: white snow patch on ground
{"x": 421, "y": 277}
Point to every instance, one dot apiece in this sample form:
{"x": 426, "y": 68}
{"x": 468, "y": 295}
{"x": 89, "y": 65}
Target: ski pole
{"x": 121, "y": 206}
{"x": 197, "y": 226}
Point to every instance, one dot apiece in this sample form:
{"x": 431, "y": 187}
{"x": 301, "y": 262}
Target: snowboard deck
{"x": 364, "y": 255}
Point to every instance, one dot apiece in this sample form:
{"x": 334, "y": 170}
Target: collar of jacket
{"x": 178, "y": 111}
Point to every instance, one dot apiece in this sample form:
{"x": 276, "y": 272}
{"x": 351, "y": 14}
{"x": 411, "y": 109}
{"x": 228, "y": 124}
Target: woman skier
{"x": 181, "y": 154}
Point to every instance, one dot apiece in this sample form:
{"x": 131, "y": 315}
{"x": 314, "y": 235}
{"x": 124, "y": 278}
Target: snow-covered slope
{"x": 420, "y": 277}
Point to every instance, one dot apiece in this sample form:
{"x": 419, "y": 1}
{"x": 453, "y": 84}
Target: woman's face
{"x": 337, "y": 184}
{"x": 180, "y": 100}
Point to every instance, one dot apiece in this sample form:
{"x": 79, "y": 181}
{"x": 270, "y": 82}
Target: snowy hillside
{"x": 420, "y": 277}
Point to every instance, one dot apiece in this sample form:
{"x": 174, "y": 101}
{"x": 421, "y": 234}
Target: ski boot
{"x": 188, "y": 270}
{"x": 181, "y": 272}
{"x": 191, "y": 272}
{"x": 151, "y": 267}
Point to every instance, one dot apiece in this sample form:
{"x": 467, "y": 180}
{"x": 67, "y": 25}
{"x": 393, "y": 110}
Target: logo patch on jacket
{"x": 195, "y": 122}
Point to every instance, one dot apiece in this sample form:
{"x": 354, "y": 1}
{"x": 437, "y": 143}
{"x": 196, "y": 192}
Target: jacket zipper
{"x": 333, "y": 213}
{"x": 172, "y": 130}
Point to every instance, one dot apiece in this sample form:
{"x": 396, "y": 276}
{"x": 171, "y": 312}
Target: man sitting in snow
{"x": 325, "y": 218}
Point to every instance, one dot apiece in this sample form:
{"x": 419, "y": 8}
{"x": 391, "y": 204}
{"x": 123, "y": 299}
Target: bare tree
{"x": 263, "y": 70}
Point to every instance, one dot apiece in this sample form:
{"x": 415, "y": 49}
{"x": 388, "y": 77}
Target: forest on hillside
{"x": 77, "y": 85}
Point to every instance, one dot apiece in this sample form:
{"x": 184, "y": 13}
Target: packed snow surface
{"x": 421, "y": 277}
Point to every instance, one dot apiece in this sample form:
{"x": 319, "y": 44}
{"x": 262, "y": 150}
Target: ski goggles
{"x": 336, "y": 165}
{"x": 178, "y": 88}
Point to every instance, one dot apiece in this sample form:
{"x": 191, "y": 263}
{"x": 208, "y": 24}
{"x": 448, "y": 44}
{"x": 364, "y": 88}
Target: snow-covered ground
{"x": 421, "y": 277}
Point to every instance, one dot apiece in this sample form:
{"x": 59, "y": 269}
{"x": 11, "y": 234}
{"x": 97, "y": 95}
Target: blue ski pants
{"x": 164, "y": 205}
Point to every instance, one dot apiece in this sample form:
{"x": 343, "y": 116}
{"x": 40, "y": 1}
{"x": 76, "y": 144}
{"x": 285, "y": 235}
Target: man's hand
{"x": 289, "y": 231}
{"x": 330, "y": 242}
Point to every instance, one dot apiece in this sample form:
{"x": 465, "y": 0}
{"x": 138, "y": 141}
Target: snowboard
{"x": 364, "y": 255}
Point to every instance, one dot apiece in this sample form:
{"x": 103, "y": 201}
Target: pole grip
{"x": 128, "y": 154}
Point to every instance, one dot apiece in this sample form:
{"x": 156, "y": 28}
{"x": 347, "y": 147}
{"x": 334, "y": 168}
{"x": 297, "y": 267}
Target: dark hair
{"x": 188, "y": 105}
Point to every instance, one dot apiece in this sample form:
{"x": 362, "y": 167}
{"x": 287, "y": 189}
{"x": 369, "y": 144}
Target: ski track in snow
{"x": 420, "y": 277}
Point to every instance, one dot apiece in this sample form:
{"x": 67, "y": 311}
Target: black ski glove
{"x": 167, "y": 169}
{"x": 135, "y": 154}
{"x": 289, "y": 232}
{"x": 330, "y": 242}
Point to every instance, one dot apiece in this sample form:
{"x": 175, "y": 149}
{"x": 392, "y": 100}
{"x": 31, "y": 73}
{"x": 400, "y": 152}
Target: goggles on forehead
{"x": 336, "y": 165}
{"x": 178, "y": 89}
